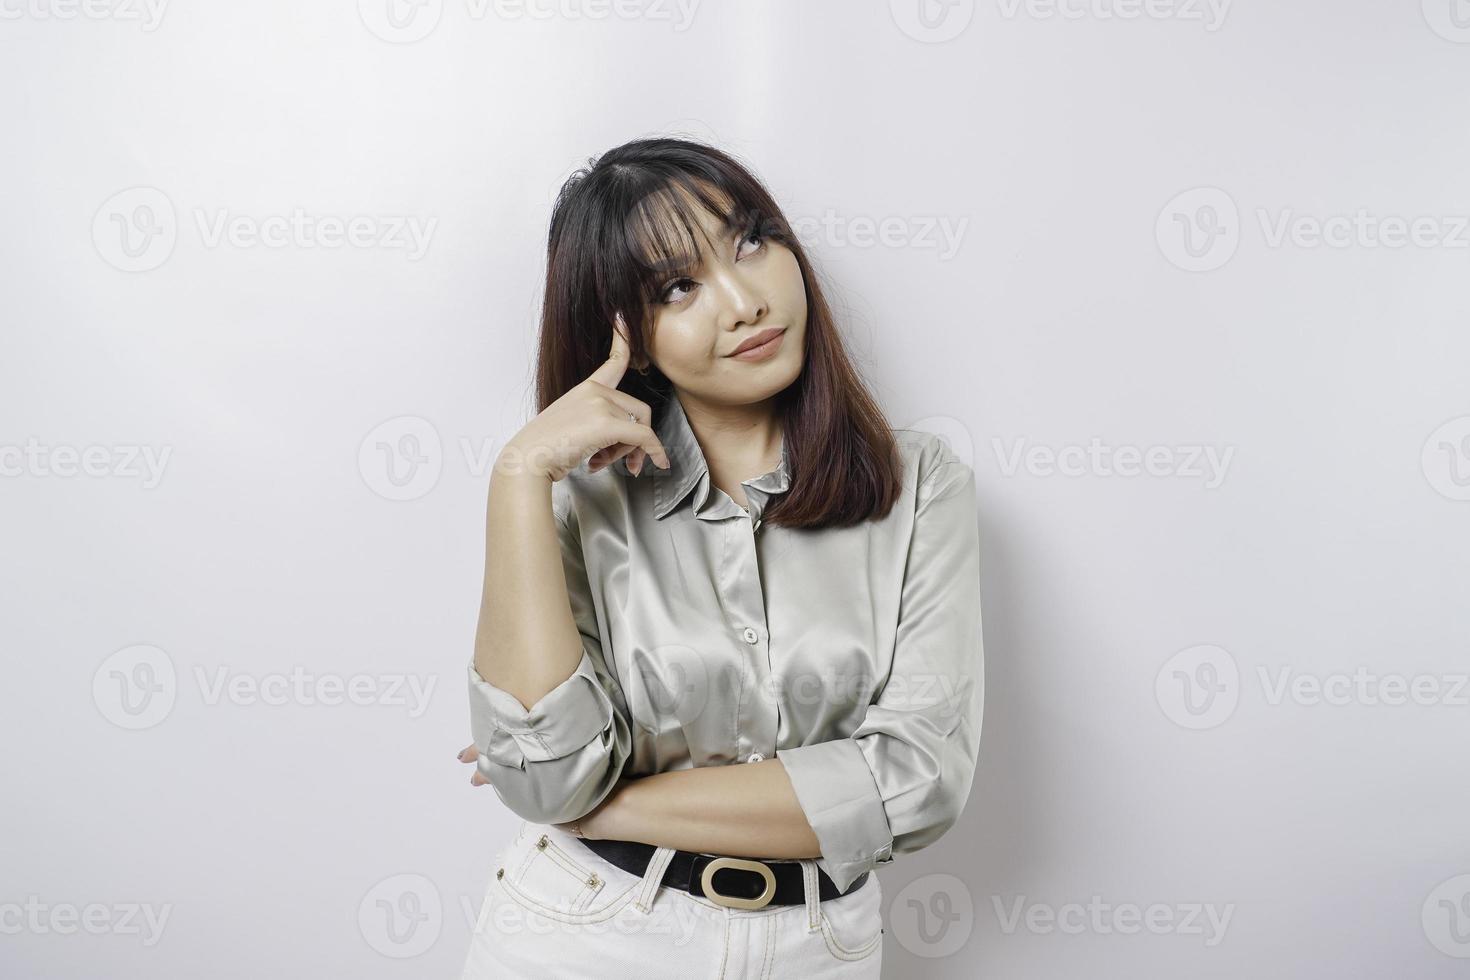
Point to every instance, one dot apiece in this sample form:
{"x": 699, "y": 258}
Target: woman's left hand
{"x": 471, "y": 755}
{"x": 589, "y": 826}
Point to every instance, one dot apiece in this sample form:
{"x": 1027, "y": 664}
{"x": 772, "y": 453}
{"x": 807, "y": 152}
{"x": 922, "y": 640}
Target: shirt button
{"x": 755, "y": 757}
{"x": 750, "y": 635}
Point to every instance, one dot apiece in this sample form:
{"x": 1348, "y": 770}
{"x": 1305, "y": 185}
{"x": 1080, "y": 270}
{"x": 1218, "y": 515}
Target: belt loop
{"x": 653, "y": 877}
{"x": 813, "y": 894}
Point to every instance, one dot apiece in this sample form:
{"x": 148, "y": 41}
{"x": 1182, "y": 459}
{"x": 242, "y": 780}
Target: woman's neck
{"x": 739, "y": 442}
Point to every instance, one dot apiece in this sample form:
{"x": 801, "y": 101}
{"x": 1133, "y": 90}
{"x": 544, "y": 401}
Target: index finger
{"x": 610, "y": 372}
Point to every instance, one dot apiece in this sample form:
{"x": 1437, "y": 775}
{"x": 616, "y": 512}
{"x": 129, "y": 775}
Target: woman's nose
{"x": 742, "y": 300}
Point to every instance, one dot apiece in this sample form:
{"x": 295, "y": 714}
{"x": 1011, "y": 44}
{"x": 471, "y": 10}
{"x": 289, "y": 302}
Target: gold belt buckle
{"x": 707, "y": 879}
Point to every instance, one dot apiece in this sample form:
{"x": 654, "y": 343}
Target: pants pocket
{"x": 852, "y": 925}
{"x": 543, "y": 872}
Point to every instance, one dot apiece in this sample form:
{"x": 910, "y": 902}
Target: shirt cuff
{"x": 841, "y": 801}
{"x": 568, "y": 717}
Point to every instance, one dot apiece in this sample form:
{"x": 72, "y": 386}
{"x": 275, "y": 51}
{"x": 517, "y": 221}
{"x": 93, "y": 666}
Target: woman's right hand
{"x": 592, "y": 418}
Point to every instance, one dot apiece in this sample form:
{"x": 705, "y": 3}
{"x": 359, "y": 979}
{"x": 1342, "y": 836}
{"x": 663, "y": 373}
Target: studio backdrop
{"x": 1183, "y": 280}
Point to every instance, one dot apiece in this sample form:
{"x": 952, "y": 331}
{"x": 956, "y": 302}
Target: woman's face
{"x": 743, "y": 287}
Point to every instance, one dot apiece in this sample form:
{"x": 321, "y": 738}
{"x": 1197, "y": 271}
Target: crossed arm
{"x": 746, "y": 810}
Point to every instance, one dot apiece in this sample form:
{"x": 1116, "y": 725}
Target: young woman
{"x": 709, "y": 548}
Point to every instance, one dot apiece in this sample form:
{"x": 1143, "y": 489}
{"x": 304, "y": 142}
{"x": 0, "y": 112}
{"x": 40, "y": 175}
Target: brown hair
{"x": 615, "y": 241}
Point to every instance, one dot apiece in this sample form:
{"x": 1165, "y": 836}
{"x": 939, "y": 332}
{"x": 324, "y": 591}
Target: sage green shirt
{"x": 853, "y": 655}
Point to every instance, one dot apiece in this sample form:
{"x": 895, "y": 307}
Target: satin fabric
{"x": 853, "y": 655}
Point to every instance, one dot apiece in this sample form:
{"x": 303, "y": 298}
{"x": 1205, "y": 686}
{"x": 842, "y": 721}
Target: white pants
{"x": 561, "y": 911}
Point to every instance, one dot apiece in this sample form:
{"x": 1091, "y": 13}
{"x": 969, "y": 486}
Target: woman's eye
{"x": 668, "y": 296}
{"x": 757, "y": 237}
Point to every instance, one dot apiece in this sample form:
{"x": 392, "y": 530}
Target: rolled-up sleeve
{"x": 902, "y": 778}
{"x": 556, "y": 760}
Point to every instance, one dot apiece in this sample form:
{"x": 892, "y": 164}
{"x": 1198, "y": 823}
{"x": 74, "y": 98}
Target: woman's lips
{"x": 762, "y": 351}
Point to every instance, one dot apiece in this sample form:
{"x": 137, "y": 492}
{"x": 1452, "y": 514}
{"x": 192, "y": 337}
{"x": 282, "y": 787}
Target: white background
{"x": 1134, "y": 200}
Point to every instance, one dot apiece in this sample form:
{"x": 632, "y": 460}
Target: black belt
{"x": 743, "y": 882}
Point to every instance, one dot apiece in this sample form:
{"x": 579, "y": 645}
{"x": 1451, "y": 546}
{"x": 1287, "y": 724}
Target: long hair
{"x": 620, "y": 227}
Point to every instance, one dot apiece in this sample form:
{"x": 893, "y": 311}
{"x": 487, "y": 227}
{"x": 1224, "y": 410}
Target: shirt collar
{"x": 687, "y": 467}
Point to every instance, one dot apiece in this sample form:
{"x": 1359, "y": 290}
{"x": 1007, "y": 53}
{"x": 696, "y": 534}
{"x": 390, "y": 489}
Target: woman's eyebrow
{"x": 730, "y": 225}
